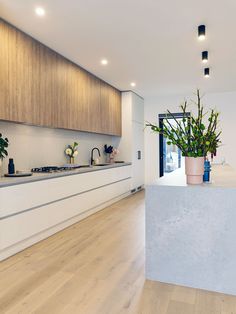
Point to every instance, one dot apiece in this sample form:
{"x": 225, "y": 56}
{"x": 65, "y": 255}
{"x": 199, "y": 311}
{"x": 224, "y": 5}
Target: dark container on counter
{"x": 207, "y": 170}
{"x": 11, "y": 166}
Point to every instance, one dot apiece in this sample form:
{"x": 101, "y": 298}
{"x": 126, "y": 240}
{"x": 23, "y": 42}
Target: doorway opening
{"x": 170, "y": 156}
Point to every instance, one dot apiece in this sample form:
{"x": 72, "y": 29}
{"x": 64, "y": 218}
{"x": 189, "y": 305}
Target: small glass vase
{"x": 72, "y": 160}
{"x": 110, "y": 159}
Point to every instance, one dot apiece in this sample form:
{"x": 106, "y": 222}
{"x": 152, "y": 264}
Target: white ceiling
{"x": 151, "y": 42}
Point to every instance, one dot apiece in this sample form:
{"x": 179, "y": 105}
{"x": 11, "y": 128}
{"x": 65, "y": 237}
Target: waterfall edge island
{"x": 191, "y": 231}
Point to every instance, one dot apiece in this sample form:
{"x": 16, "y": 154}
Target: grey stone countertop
{"x": 9, "y": 181}
{"x": 221, "y": 176}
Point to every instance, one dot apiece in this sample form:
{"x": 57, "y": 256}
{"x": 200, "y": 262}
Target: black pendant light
{"x": 205, "y": 56}
{"x": 201, "y": 32}
{"x": 206, "y": 72}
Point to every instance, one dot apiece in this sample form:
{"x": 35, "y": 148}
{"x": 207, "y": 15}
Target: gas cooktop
{"x": 51, "y": 169}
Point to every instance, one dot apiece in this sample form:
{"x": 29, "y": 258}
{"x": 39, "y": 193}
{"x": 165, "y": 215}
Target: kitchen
{"x": 79, "y": 186}
{"x": 43, "y": 150}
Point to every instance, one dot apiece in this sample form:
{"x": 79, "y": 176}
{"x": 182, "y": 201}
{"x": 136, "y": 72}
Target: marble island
{"x": 191, "y": 231}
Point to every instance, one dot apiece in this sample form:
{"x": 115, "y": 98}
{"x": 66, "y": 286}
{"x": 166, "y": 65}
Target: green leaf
{"x": 4, "y": 143}
{"x": 194, "y": 138}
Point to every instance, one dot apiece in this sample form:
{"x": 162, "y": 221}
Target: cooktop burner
{"x": 46, "y": 169}
{"x": 52, "y": 169}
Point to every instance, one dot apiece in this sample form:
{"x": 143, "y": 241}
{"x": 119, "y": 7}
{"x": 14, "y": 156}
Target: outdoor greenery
{"x": 196, "y": 135}
{"x": 3, "y": 147}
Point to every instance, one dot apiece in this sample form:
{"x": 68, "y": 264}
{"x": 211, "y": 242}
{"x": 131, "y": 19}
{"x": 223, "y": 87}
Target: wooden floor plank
{"x": 176, "y": 307}
{"x": 184, "y": 294}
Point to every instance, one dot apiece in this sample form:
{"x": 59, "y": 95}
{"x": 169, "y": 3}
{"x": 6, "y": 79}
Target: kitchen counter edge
{"x": 6, "y": 181}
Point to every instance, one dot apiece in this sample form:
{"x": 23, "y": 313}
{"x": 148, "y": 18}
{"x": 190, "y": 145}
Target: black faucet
{"x": 95, "y": 148}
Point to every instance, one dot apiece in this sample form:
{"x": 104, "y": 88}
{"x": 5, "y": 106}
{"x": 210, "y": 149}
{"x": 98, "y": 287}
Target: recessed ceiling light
{"x": 40, "y": 11}
{"x": 205, "y": 56}
{"x": 206, "y": 72}
{"x": 104, "y": 62}
{"x": 133, "y": 84}
{"x": 201, "y": 37}
{"x": 201, "y": 32}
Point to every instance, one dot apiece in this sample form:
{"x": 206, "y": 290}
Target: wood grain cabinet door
{"x": 46, "y": 95}
{"x": 78, "y": 99}
{"x": 4, "y": 66}
{"x": 23, "y": 80}
{"x": 27, "y": 79}
{"x": 110, "y": 110}
{"x": 115, "y": 111}
{"x": 19, "y": 77}
{"x": 105, "y": 109}
{"x": 94, "y": 104}
{"x": 69, "y": 96}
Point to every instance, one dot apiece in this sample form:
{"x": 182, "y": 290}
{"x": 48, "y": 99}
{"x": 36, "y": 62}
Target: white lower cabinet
{"x": 27, "y": 218}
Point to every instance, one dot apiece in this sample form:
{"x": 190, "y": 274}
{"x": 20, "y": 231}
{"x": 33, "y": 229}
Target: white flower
{"x": 75, "y": 153}
{"x": 68, "y": 151}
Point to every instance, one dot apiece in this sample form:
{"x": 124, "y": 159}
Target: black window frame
{"x": 161, "y": 117}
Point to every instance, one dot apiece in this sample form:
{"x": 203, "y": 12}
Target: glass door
{"x": 170, "y": 155}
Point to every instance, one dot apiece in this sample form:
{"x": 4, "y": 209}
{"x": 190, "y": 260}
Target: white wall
{"x": 32, "y": 146}
{"x": 223, "y": 102}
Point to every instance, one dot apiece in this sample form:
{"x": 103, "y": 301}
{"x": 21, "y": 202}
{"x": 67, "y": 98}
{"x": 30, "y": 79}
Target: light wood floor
{"x": 97, "y": 267}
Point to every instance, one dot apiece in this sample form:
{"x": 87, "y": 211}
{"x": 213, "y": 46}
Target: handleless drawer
{"x": 22, "y": 197}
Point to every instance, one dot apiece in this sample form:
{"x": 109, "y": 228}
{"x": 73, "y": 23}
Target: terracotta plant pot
{"x": 194, "y": 169}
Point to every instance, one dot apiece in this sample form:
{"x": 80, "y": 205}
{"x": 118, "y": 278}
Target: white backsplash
{"x": 32, "y": 146}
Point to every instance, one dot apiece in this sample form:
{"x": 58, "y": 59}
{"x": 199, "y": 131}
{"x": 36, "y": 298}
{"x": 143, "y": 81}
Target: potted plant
{"x": 72, "y": 152}
{"x": 3, "y": 150}
{"x": 195, "y": 135}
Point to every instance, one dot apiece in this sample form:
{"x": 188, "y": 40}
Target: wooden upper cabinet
{"x": 40, "y": 87}
{"x": 94, "y": 104}
{"x": 115, "y": 112}
{"x": 4, "y": 68}
{"x": 47, "y": 85}
{"x": 26, "y": 86}
{"x": 67, "y": 97}
{"x": 110, "y": 110}
{"x": 19, "y": 76}
{"x": 78, "y": 100}
{"x": 104, "y": 108}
